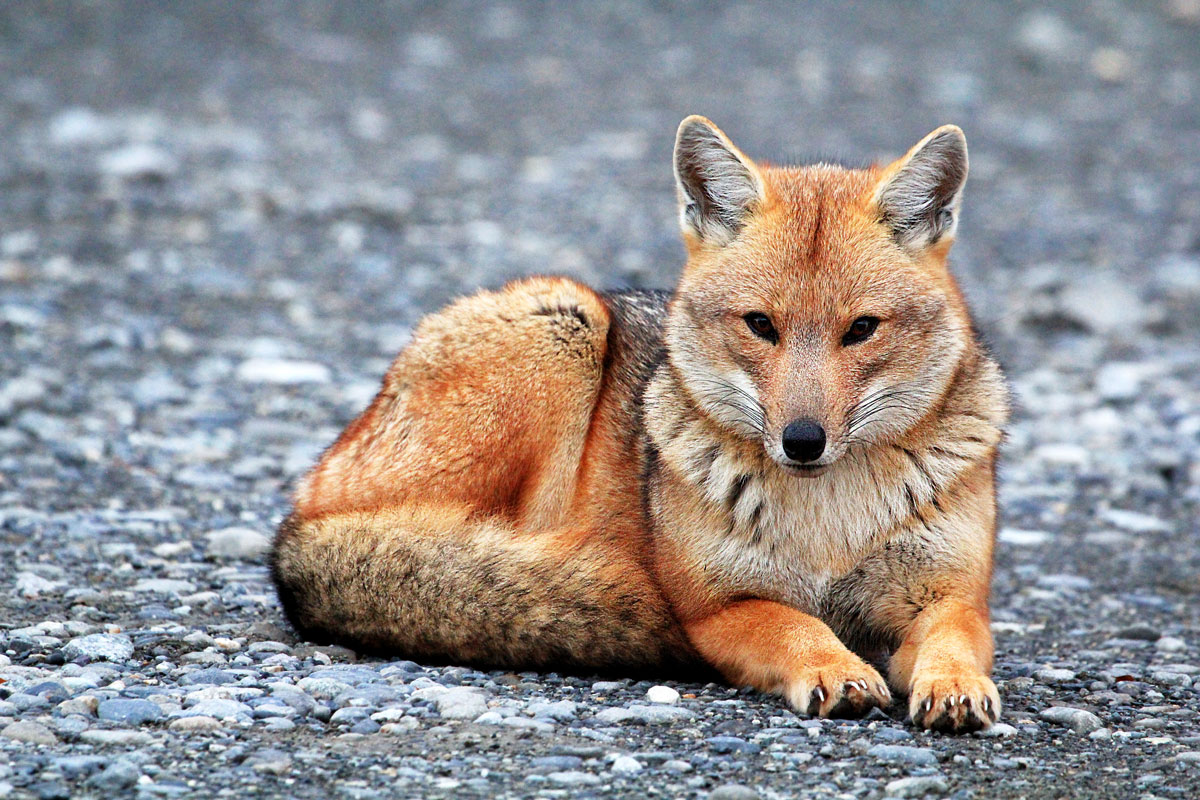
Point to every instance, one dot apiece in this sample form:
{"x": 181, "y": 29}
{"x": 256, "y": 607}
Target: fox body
{"x": 783, "y": 470}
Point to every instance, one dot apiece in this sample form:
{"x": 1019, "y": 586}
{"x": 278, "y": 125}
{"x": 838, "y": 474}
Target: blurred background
{"x": 220, "y": 220}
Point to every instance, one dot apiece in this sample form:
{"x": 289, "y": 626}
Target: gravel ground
{"x": 218, "y": 223}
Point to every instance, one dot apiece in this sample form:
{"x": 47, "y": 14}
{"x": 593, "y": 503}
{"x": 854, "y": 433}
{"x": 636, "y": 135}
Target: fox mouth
{"x": 806, "y": 470}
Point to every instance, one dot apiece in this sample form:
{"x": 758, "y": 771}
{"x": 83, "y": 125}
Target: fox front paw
{"x": 844, "y": 687}
{"x": 953, "y": 702}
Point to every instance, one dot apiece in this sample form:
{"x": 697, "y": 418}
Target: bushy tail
{"x": 437, "y": 585}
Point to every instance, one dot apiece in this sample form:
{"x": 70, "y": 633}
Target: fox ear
{"x": 919, "y": 195}
{"x": 718, "y": 186}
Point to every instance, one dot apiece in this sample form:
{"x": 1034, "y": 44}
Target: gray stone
{"x": 731, "y": 744}
{"x": 118, "y": 775}
{"x": 129, "y": 712}
{"x": 116, "y": 738}
{"x": 562, "y": 711}
{"x": 733, "y": 791}
{"x": 28, "y": 732}
{"x": 574, "y": 778}
{"x": 1078, "y": 720}
{"x": 461, "y": 703}
{"x": 900, "y": 754}
{"x": 917, "y": 786}
{"x": 626, "y": 765}
{"x": 100, "y": 647}
{"x": 218, "y": 708}
{"x": 237, "y": 543}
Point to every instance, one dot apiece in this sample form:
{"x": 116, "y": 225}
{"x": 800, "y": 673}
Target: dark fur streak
{"x": 735, "y": 491}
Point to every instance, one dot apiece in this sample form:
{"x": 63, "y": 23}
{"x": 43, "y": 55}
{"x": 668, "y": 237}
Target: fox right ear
{"x": 718, "y": 186}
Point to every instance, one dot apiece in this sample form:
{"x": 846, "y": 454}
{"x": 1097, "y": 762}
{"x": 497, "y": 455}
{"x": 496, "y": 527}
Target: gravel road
{"x": 218, "y": 222}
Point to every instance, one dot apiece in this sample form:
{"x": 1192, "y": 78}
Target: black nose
{"x": 803, "y": 440}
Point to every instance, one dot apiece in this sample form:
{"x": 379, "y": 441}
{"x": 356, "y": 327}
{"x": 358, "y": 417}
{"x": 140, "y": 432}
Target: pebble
{"x": 663, "y": 695}
{"x": 733, "y": 791}
{"x": 731, "y": 744}
{"x": 574, "y": 778}
{"x": 917, "y": 786}
{"x": 129, "y": 712}
{"x": 99, "y": 647}
{"x": 1054, "y": 675}
{"x": 281, "y": 371}
{"x": 116, "y": 738}
{"x": 561, "y": 711}
{"x": 1079, "y": 720}
{"x": 901, "y": 754}
{"x": 195, "y": 724}
{"x": 626, "y": 765}
{"x": 138, "y": 161}
{"x": 236, "y": 543}
{"x": 29, "y": 732}
{"x": 117, "y": 776}
{"x": 461, "y": 703}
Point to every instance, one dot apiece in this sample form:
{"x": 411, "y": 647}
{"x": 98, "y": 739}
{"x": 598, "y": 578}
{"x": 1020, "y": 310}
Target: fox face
{"x": 816, "y": 313}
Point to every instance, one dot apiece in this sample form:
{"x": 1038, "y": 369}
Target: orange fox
{"x": 784, "y": 470}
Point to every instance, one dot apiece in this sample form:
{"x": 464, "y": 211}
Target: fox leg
{"x": 944, "y": 663}
{"x": 775, "y": 648}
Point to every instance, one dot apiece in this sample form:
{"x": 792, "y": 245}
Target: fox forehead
{"x": 816, "y": 247}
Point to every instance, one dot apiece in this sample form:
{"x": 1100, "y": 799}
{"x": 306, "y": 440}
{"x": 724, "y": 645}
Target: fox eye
{"x": 860, "y": 330}
{"x": 760, "y": 325}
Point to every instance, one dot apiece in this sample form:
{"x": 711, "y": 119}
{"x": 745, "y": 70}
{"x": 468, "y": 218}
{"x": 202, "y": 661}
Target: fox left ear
{"x": 919, "y": 194}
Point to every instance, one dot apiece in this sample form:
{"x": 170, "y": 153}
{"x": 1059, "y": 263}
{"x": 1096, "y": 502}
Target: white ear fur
{"x": 718, "y": 186}
{"x": 920, "y": 195}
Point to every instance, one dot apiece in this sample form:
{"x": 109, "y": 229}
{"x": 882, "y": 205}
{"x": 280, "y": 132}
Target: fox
{"x": 782, "y": 472}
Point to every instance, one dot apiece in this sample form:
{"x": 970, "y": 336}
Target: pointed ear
{"x": 919, "y": 195}
{"x": 718, "y": 186}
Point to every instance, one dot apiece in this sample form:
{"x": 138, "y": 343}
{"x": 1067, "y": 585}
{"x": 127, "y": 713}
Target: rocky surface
{"x": 218, "y": 223}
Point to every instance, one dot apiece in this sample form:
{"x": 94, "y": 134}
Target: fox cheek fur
{"x": 632, "y": 495}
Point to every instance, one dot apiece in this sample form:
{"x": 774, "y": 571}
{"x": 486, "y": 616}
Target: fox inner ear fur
{"x": 919, "y": 195}
{"x": 718, "y": 186}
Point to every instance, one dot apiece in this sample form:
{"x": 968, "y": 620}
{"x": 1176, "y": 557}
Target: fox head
{"x": 816, "y": 313}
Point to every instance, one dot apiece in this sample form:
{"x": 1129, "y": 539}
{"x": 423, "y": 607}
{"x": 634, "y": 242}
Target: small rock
{"x": 1171, "y": 644}
{"x": 733, "y": 791}
{"x": 562, "y": 711}
{"x": 84, "y": 706}
{"x": 662, "y": 695}
{"x": 29, "y": 732}
{"x": 194, "y": 724}
{"x": 731, "y": 744}
{"x": 240, "y": 543}
{"x": 999, "y": 730}
{"x": 461, "y": 702}
{"x": 626, "y": 765}
{"x": 129, "y": 712}
{"x": 1135, "y": 521}
{"x": 30, "y": 585}
{"x": 282, "y": 371}
{"x": 164, "y": 586}
{"x": 574, "y": 778}
{"x": 917, "y": 786}
{"x": 270, "y": 761}
{"x": 1080, "y": 721}
{"x": 138, "y": 161}
{"x": 116, "y": 776}
{"x": 1054, "y": 675}
{"x": 901, "y": 754}
{"x": 116, "y": 738}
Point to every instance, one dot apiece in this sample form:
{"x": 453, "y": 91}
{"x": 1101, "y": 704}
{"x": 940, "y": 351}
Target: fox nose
{"x": 803, "y": 440}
